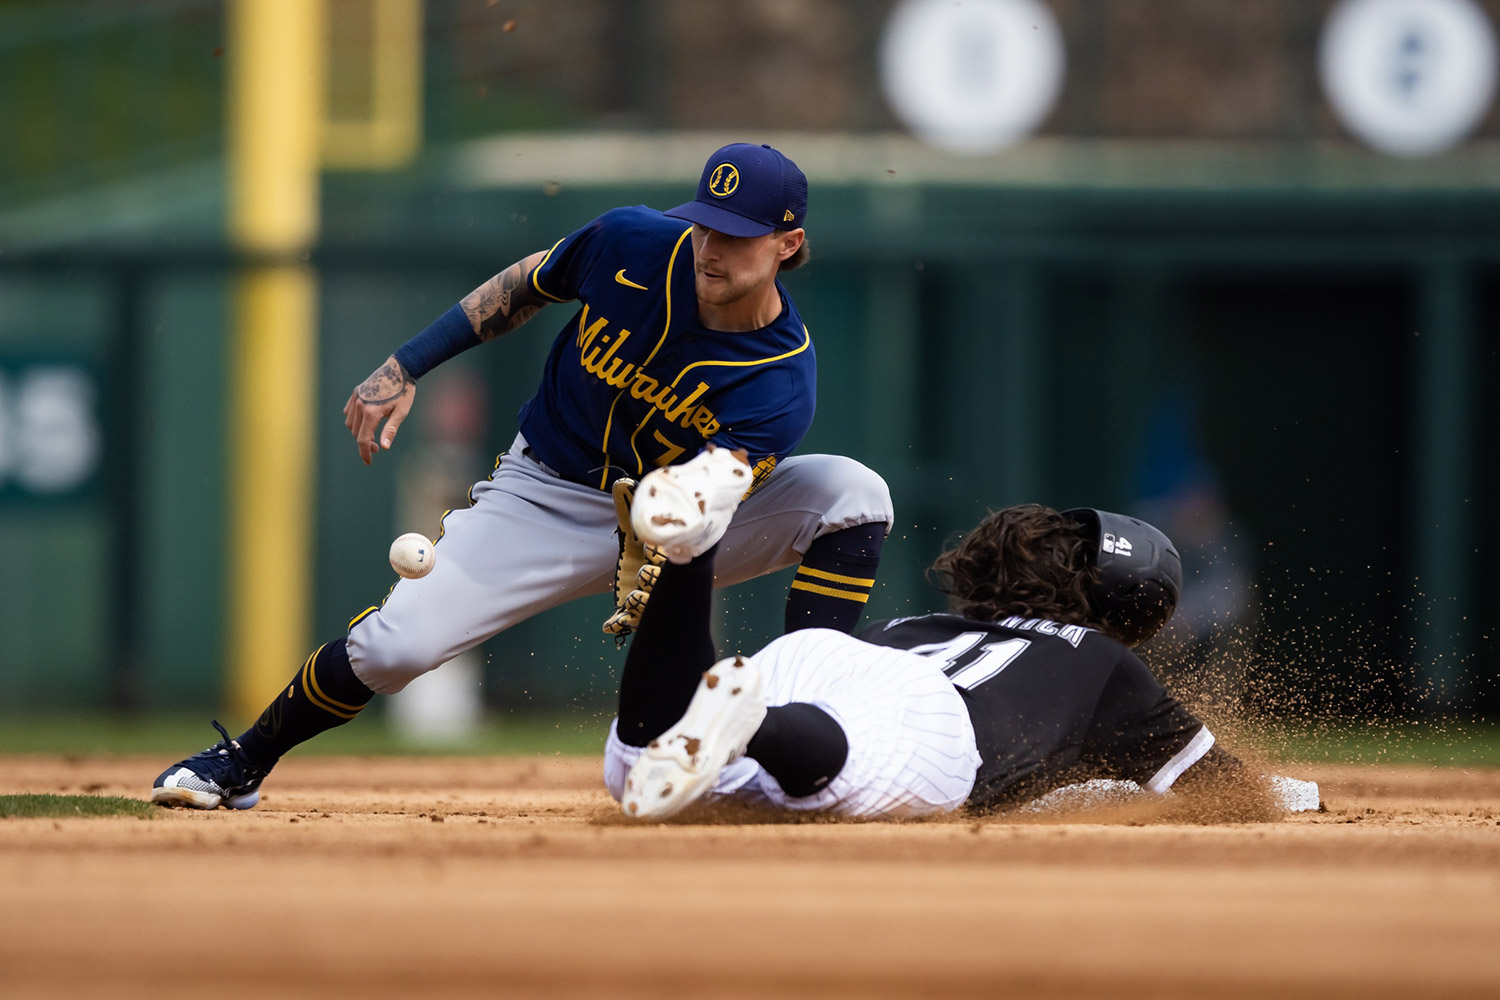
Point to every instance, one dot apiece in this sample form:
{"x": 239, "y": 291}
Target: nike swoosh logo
{"x": 620, "y": 277}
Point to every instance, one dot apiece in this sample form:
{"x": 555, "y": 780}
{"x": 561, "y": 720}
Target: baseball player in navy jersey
{"x": 1029, "y": 686}
{"x": 682, "y": 337}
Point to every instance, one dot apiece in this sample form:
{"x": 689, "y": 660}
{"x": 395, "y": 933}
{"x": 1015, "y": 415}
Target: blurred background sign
{"x": 51, "y": 441}
{"x": 972, "y": 77}
{"x": 1409, "y": 77}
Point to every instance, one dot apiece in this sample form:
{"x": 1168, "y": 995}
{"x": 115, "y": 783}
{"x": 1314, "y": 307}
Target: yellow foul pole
{"x": 275, "y": 52}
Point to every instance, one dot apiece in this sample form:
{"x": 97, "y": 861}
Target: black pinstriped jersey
{"x": 1053, "y": 704}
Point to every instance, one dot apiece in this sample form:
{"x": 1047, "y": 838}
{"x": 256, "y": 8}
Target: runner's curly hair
{"x": 1026, "y": 560}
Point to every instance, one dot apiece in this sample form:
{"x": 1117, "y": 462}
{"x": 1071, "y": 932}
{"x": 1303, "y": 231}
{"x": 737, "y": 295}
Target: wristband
{"x": 448, "y": 336}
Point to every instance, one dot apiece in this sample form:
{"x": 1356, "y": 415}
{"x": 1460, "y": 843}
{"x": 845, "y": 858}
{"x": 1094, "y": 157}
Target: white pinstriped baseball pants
{"x": 911, "y": 744}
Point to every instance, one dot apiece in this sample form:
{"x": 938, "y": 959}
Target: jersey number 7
{"x": 967, "y": 663}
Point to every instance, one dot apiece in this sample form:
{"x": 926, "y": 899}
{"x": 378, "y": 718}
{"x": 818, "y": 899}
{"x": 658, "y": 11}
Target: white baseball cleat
{"x": 684, "y": 509}
{"x": 678, "y": 767}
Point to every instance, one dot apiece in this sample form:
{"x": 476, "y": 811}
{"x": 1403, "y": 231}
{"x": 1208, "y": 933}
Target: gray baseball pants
{"x": 532, "y": 540}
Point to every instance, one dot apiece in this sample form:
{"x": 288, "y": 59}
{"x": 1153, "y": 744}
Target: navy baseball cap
{"x": 747, "y": 190}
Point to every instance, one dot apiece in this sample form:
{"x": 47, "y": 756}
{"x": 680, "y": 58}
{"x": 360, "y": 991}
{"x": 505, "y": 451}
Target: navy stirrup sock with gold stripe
{"x": 833, "y": 583}
{"x": 323, "y": 694}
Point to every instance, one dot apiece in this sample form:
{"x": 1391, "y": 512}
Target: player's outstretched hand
{"x": 386, "y": 395}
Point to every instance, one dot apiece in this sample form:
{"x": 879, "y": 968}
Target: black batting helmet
{"x": 1140, "y": 573}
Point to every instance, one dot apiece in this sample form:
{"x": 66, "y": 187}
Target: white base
{"x": 1291, "y": 794}
{"x": 1294, "y": 794}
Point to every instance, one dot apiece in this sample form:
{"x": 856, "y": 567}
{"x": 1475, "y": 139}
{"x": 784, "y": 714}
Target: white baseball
{"x": 413, "y": 555}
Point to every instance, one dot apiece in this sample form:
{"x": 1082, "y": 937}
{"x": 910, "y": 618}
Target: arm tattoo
{"x": 386, "y": 384}
{"x": 504, "y": 302}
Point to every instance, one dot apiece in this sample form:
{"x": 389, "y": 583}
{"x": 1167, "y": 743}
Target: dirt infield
{"x": 475, "y": 877}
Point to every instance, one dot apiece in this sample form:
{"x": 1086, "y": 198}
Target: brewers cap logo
{"x": 723, "y": 181}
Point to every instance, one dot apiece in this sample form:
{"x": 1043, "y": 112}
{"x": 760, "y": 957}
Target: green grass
{"x": 51, "y": 806}
{"x": 79, "y": 734}
{"x": 1436, "y": 743}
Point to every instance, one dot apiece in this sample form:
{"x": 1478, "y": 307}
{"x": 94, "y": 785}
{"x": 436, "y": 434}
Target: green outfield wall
{"x": 1311, "y": 348}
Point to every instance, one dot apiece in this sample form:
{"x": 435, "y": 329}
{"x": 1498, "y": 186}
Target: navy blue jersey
{"x": 634, "y": 381}
{"x": 1053, "y": 704}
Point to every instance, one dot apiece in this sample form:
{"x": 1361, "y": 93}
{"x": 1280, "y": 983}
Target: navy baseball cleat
{"x": 218, "y": 776}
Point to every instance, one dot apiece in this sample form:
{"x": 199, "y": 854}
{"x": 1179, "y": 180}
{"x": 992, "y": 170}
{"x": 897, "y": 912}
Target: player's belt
{"x": 530, "y": 452}
{"x": 592, "y": 480}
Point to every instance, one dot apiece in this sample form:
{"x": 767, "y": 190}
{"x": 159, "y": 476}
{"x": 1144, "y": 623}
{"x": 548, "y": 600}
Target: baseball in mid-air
{"x": 413, "y": 555}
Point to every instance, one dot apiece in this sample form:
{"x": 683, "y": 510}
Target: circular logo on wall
{"x": 1408, "y": 77}
{"x": 973, "y": 76}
